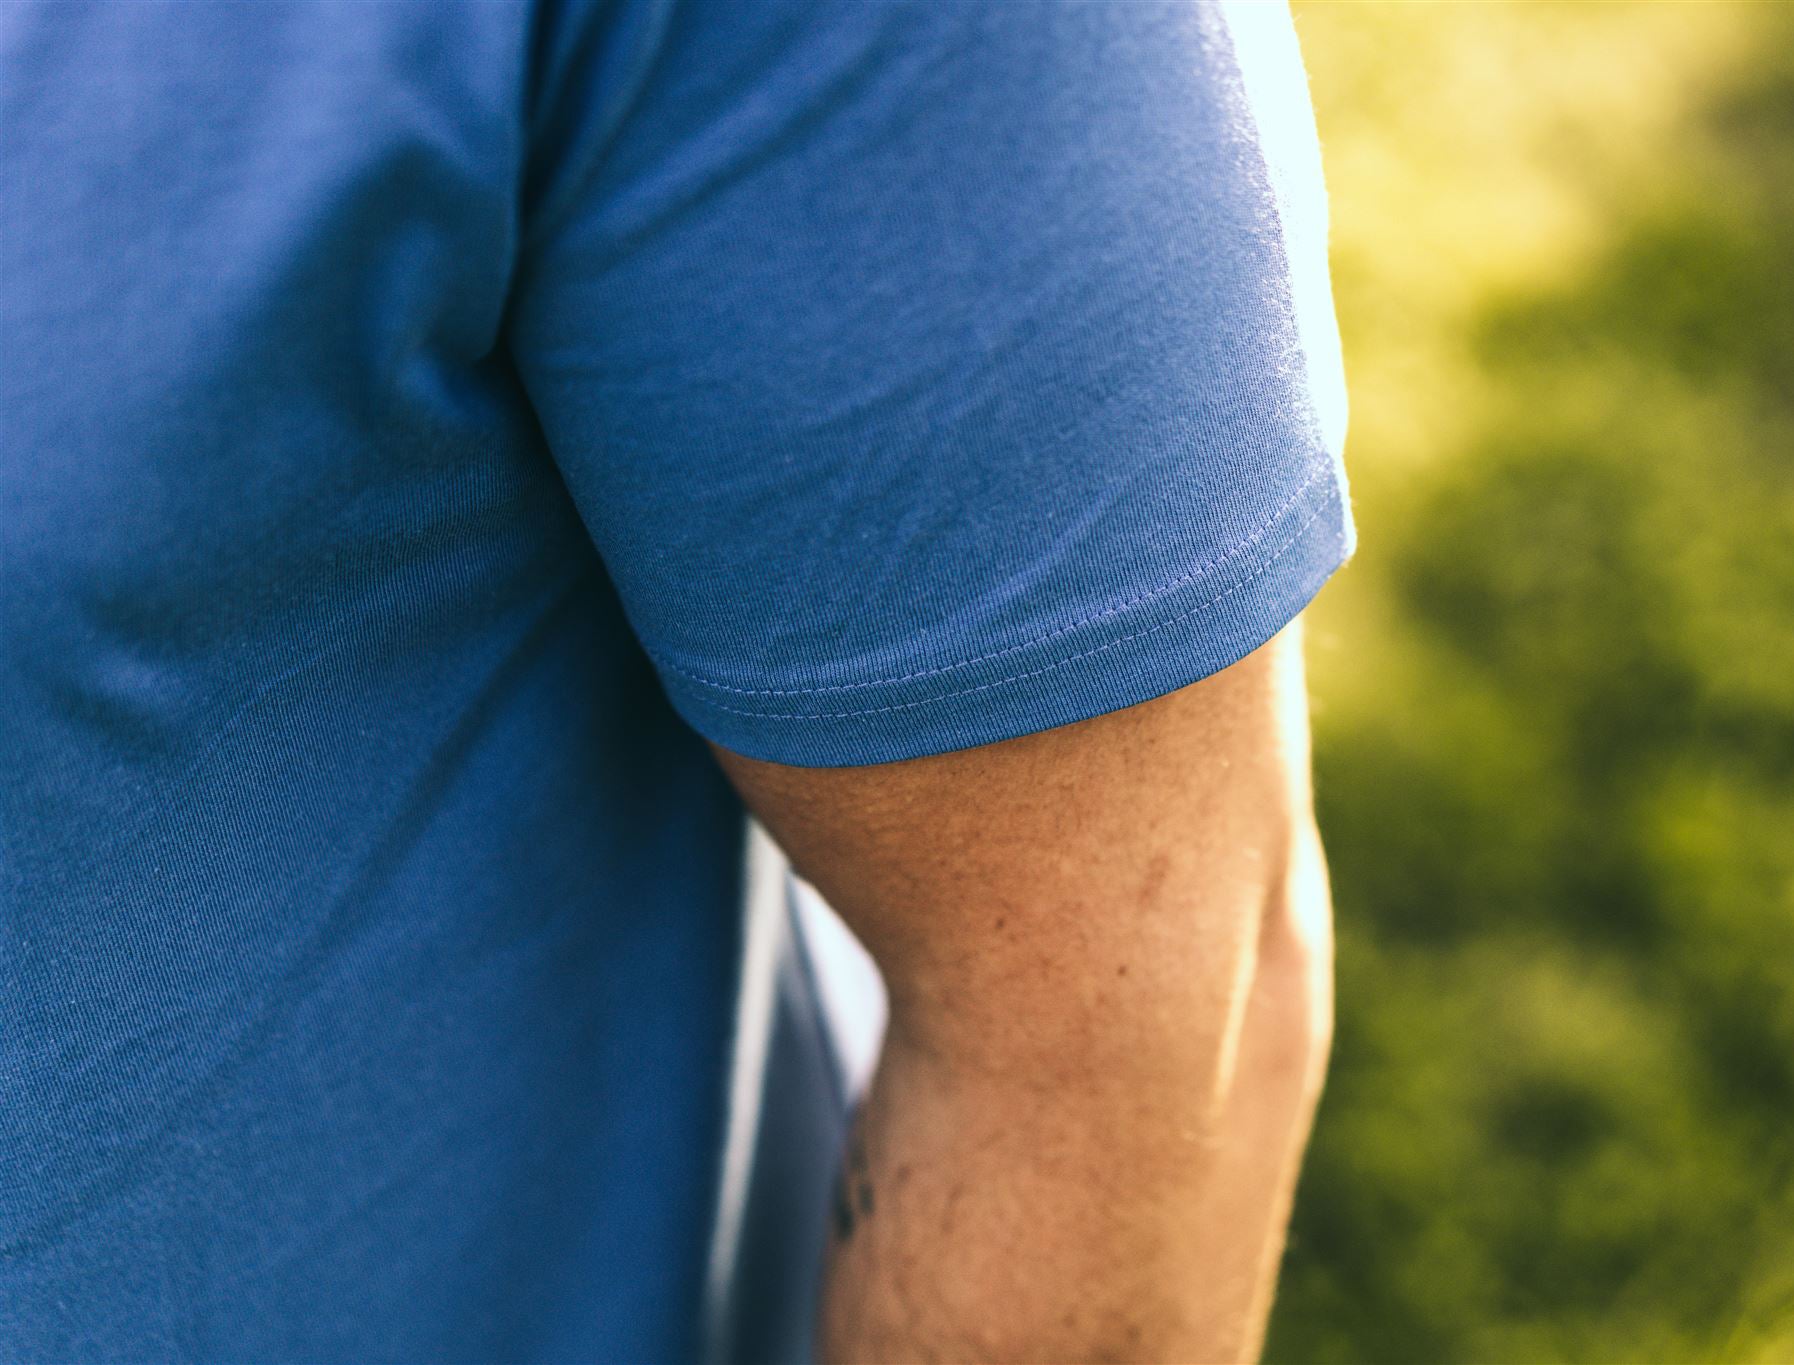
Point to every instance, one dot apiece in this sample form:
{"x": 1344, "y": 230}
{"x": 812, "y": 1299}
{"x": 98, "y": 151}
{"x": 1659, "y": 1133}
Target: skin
{"x": 1108, "y": 952}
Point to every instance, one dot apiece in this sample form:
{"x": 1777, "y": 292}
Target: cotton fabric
{"x": 424, "y": 424}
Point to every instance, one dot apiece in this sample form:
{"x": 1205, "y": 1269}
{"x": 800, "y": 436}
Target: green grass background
{"x": 1555, "y": 691}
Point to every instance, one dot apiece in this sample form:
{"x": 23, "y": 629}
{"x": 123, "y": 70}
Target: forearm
{"x": 1094, "y": 1202}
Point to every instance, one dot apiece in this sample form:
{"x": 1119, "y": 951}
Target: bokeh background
{"x": 1555, "y": 691}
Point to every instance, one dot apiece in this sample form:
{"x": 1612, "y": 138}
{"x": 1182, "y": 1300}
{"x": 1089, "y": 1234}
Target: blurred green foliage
{"x": 1555, "y": 693}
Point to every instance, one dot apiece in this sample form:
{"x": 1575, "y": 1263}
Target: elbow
{"x": 1285, "y": 1031}
{"x": 1190, "y": 992}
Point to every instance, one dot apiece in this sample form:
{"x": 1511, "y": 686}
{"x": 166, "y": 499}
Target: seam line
{"x": 1182, "y": 580}
{"x": 1048, "y": 668}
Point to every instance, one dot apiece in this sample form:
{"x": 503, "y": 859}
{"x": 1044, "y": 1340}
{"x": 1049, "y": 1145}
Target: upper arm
{"x": 1012, "y": 893}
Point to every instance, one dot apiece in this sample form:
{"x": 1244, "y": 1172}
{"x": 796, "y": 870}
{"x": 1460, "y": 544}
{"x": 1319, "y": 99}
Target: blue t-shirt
{"x": 420, "y": 424}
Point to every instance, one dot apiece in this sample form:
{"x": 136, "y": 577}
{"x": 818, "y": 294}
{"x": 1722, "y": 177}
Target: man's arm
{"x": 1109, "y": 961}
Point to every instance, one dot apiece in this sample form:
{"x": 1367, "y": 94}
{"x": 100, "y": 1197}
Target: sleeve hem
{"x": 1173, "y": 638}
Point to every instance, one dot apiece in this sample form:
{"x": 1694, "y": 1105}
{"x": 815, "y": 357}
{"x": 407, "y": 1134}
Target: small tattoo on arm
{"x": 853, "y": 1190}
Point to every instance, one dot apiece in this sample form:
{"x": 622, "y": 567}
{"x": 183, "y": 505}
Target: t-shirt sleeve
{"x": 928, "y": 375}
